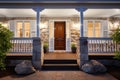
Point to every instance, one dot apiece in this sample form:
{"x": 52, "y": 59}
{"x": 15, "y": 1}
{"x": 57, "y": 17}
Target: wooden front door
{"x": 59, "y": 35}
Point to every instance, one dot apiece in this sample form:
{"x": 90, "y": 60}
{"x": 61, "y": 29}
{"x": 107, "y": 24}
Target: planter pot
{"x": 45, "y": 49}
{"x": 73, "y": 49}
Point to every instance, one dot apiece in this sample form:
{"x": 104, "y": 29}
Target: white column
{"x": 81, "y": 10}
{"x": 38, "y": 10}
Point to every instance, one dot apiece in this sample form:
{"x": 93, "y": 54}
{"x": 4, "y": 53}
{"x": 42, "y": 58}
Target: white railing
{"x": 102, "y": 45}
{"x": 22, "y": 45}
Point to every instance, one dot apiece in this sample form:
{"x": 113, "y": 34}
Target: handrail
{"x": 102, "y": 45}
{"x": 21, "y": 45}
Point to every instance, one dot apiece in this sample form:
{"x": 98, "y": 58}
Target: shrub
{"x": 116, "y": 37}
{"x": 5, "y": 45}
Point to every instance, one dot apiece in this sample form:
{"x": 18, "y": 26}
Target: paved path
{"x": 59, "y": 75}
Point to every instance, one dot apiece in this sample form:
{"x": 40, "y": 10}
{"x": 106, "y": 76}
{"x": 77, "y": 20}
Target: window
{"x": 90, "y": 29}
{"x": 19, "y": 29}
{"x": 94, "y": 29}
{"x": 23, "y": 29}
{"x": 97, "y": 29}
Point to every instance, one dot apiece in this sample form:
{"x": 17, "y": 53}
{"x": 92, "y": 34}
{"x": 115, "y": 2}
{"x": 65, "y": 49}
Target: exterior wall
{"x": 47, "y": 28}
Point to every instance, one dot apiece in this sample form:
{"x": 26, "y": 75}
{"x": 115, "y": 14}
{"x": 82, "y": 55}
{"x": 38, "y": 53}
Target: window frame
{"x": 23, "y": 28}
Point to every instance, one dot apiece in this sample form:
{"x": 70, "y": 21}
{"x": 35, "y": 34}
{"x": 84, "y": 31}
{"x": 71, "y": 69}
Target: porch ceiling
{"x": 59, "y": 13}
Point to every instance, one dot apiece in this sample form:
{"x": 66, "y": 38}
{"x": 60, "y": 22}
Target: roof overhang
{"x": 60, "y": 3}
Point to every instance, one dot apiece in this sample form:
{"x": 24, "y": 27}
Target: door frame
{"x": 64, "y": 33}
{"x": 67, "y": 43}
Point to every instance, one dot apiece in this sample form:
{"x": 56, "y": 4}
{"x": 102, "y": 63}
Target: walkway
{"x": 59, "y": 75}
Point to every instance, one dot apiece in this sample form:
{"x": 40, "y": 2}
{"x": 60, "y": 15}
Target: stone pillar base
{"x": 37, "y": 65}
{"x": 36, "y": 57}
{"x": 83, "y": 51}
{"x": 82, "y": 62}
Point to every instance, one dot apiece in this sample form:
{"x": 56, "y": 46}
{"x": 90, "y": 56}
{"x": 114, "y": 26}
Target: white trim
{"x": 54, "y": 20}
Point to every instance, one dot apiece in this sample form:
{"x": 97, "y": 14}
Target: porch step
{"x": 60, "y": 61}
{"x": 60, "y": 65}
{"x": 59, "y": 68}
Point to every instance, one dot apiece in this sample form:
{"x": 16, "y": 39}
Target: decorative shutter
{"x": 105, "y": 28}
{"x": 51, "y": 36}
{"x": 68, "y": 35}
{"x": 33, "y": 28}
{"x": 12, "y": 26}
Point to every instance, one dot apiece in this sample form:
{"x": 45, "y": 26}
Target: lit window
{"x": 94, "y": 29}
{"x": 23, "y": 29}
{"x": 90, "y": 29}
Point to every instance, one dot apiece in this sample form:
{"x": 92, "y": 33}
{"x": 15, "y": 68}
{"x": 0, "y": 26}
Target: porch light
{"x": 76, "y": 26}
{"x": 4, "y": 24}
{"x": 114, "y": 25}
{"x": 42, "y": 25}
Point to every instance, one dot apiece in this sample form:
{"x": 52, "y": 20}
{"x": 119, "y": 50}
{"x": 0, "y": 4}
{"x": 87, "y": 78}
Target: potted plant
{"x": 45, "y": 47}
{"x": 73, "y": 48}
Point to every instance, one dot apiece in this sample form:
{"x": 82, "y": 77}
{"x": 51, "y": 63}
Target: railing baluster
{"x": 102, "y": 45}
{"x": 21, "y": 45}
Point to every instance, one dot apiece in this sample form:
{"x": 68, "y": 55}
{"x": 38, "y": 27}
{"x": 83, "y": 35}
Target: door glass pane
{"x": 97, "y": 29}
{"x": 27, "y": 29}
{"x": 90, "y": 29}
{"x": 19, "y": 29}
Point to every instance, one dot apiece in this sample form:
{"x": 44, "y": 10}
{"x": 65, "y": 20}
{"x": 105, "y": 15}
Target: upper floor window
{"x": 23, "y": 29}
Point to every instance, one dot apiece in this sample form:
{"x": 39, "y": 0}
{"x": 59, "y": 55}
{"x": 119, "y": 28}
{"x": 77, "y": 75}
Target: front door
{"x": 59, "y": 35}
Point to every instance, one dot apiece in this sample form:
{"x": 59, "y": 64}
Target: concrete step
{"x": 60, "y": 61}
{"x": 66, "y": 64}
{"x": 60, "y": 67}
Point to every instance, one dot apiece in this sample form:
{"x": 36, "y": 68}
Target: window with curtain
{"x": 23, "y": 29}
{"x": 94, "y": 29}
{"x": 97, "y": 29}
{"x": 90, "y": 29}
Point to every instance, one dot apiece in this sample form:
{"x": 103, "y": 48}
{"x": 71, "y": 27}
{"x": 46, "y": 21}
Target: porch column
{"x": 81, "y": 10}
{"x": 83, "y": 40}
{"x": 37, "y": 10}
{"x": 37, "y": 47}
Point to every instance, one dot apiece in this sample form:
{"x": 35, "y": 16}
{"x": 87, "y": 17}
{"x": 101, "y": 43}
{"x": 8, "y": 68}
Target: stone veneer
{"x": 44, "y": 35}
{"x": 75, "y": 35}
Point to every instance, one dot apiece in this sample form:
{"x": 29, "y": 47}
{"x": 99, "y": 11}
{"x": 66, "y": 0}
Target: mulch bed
{"x": 8, "y": 71}
{"x": 114, "y": 71}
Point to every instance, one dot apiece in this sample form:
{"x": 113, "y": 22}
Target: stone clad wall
{"x": 44, "y": 35}
{"x": 75, "y": 35}
{"x": 74, "y": 30}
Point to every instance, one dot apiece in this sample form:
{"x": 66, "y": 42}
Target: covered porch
{"x": 43, "y": 19}
{"x": 76, "y": 23}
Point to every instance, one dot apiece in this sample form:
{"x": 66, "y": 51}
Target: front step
{"x": 60, "y": 62}
{"x": 60, "y": 65}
